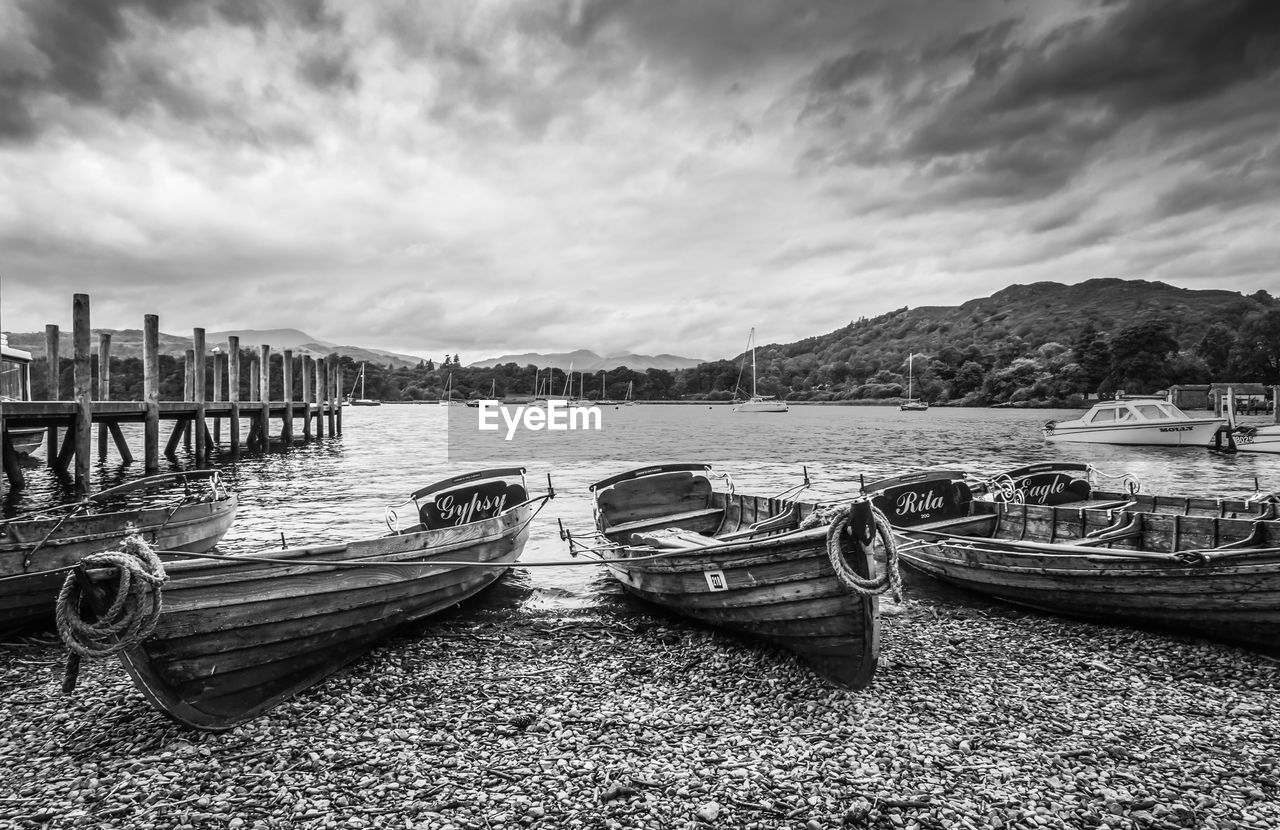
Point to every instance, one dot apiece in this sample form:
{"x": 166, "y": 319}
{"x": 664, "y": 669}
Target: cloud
{"x": 647, "y": 175}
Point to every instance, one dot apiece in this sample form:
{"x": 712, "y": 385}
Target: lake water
{"x": 337, "y": 489}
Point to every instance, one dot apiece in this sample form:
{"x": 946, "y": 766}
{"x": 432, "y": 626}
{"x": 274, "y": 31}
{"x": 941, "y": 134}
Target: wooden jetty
{"x": 320, "y": 406}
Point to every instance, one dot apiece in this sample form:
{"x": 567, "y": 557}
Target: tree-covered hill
{"x": 1040, "y": 342}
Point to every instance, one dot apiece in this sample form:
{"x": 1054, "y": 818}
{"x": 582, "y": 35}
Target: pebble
{"x": 978, "y": 717}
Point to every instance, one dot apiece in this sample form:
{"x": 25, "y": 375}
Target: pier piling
{"x": 233, "y": 391}
{"x": 306, "y": 397}
{"x": 151, "y": 392}
{"x": 67, "y": 416}
{"x": 55, "y": 388}
{"x": 198, "y": 387}
{"x": 286, "y": 431}
{"x": 83, "y": 382}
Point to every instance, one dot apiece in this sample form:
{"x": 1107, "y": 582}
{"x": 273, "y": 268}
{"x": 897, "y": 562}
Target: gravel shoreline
{"x": 980, "y": 716}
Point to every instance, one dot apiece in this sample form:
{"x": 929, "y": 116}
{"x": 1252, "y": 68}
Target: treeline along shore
{"x": 1045, "y": 344}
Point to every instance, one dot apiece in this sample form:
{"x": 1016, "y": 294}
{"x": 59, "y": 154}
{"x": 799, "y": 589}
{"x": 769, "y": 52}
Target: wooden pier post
{"x": 286, "y": 433}
{"x": 104, "y": 386}
{"x": 151, "y": 391}
{"x": 265, "y": 352}
{"x": 55, "y": 389}
{"x": 306, "y": 397}
{"x": 233, "y": 391}
{"x": 337, "y": 392}
{"x": 255, "y": 388}
{"x": 182, "y": 426}
{"x": 320, "y": 380}
{"x": 83, "y": 375}
{"x": 332, "y": 361}
{"x": 106, "y": 428}
{"x": 218, "y": 374}
{"x": 198, "y": 387}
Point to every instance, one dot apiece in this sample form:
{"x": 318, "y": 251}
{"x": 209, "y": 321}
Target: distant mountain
{"x": 126, "y": 343}
{"x": 583, "y": 360}
{"x": 868, "y": 357}
{"x": 275, "y": 338}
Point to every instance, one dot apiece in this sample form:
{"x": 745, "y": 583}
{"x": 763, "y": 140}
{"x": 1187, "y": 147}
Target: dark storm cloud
{"x": 78, "y": 40}
{"x": 328, "y": 68}
{"x": 1032, "y": 112}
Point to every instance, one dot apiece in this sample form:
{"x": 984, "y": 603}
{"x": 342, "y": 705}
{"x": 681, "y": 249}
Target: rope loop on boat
{"x": 841, "y": 519}
{"x": 133, "y": 611}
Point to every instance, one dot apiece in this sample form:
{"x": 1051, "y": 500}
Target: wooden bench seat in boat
{"x": 664, "y": 520}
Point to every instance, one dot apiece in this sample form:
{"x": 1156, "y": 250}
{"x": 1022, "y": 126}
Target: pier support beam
{"x": 83, "y": 377}
{"x": 233, "y": 391}
{"x": 104, "y": 386}
{"x": 253, "y": 442}
{"x": 331, "y": 380}
{"x": 286, "y": 365}
{"x": 319, "y": 392}
{"x": 55, "y": 389}
{"x": 151, "y": 391}
{"x": 264, "y": 352}
{"x": 306, "y": 397}
{"x": 198, "y": 389}
{"x": 219, "y": 360}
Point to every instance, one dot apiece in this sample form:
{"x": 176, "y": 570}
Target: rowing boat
{"x": 1077, "y": 485}
{"x": 238, "y": 635}
{"x": 772, "y": 568}
{"x": 172, "y": 511}
{"x": 1212, "y": 576}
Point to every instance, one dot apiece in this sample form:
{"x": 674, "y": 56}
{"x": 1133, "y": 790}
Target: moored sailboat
{"x": 362, "y": 400}
{"x": 912, "y": 404}
{"x": 756, "y": 403}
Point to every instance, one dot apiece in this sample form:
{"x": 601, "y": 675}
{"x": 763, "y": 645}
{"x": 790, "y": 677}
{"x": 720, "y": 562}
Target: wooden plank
{"x": 199, "y": 393}
{"x": 233, "y": 391}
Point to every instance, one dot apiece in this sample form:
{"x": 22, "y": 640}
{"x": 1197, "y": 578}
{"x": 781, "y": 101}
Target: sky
{"x": 649, "y": 176}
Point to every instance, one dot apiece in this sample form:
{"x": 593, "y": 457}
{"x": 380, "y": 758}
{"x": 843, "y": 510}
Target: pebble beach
{"x": 980, "y": 716}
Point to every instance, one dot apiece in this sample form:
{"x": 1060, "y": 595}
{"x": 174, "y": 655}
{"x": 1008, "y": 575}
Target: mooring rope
{"x": 838, "y": 519}
{"x": 133, "y": 612}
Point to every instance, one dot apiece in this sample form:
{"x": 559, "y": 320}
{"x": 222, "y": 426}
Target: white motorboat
{"x": 1136, "y": 420}
{"x": 1264, "y": 438}
{"x": 15, "y": 385}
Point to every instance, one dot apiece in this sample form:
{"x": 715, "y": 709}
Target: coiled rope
{"x": 133, "y": 612}
{"x": 840, "y": 518}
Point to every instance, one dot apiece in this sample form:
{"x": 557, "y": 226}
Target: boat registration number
{"x": 716, "y": 580}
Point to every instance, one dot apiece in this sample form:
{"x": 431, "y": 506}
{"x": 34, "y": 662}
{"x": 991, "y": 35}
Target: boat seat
{"x": 784, "y": 519}
{"x": 672, "y": 538}
{"x": 664, "y": 520}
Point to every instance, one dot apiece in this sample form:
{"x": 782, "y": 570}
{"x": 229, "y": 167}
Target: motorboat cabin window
{"x": 1103, "y": 416}
{"x": 13, "y": 381}
{"x": 1152, "y": 412}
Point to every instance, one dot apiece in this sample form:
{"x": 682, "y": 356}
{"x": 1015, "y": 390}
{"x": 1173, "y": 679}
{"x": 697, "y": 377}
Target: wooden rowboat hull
{"x": 1234, "y": 600}
{"x": 29, "y": 582}
{"x": 780, "y": 591}
{"x": 238, "y": 637}
{"x": 775, "y": 585}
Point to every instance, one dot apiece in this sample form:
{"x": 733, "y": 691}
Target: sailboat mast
{"x": 753, "y": 363}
